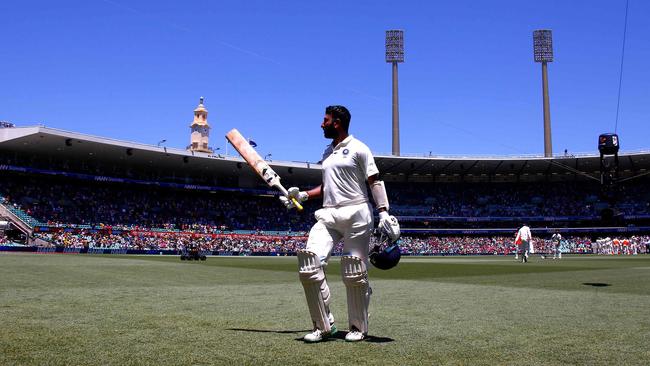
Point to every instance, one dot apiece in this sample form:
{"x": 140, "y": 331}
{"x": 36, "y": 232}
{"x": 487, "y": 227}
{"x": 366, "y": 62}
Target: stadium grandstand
{"x": 66, "y": 191}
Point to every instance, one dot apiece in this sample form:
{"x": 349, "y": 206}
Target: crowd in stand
{"x": 174, "y": 241}
{"x": 410, "y": 245}
{"x": 471, "y": 245}
{"x": 513, "y": 200}
{"x": 68, "y": 202}
{"x": 127, "y": 214}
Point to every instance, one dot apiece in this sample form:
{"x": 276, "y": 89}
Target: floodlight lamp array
{"x": 543, "y": 45}
{"x": 394, "y": 46}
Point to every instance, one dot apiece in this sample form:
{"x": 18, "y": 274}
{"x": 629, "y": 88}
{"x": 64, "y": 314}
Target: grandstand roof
{"x": 65, "y": 145}
{"x": 58, "y": 144}
{"x": 501, "y": 168}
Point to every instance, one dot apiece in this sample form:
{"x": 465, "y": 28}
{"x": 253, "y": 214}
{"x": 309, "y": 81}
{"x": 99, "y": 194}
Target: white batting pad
{"x": 355, "y": 277}
{"x": 317, "y": 292}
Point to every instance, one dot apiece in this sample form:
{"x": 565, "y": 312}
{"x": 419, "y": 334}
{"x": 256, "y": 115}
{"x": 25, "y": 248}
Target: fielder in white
{"x": 525, "y": 241}
{"x": 346, "y": 215}
{"x": 557, "y": 245}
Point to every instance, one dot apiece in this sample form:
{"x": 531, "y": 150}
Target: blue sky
{"x": 134, "y": 70}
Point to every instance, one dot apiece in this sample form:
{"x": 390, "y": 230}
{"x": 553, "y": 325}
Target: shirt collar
{"x": 344, "y": 143}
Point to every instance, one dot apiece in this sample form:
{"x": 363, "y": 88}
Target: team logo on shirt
{"x": 346, "y": 151}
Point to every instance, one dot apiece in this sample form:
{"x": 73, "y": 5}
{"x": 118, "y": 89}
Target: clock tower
{"x": 200, "y": 130}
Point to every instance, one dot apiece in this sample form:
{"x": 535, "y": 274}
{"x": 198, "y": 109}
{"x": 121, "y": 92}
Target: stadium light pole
{"x": 395, "y": 55}
{"x": 161, "y": 142}
{"x": 543, "y": 50}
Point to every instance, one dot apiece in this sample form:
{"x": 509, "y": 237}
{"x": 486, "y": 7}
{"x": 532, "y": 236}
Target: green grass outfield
{"x": 58, "y": 309}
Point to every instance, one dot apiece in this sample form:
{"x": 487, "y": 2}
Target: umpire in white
{"x": 346, "y": 215}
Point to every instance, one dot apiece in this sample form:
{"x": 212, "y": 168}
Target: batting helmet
{"x": 385, "y": 256}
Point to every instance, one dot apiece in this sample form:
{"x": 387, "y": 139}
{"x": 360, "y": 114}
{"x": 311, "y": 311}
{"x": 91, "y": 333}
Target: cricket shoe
{"x": 354, "y": 335}
{"x": 318, "y": 335}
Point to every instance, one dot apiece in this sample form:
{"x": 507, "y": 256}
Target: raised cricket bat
{"x": 258, "y": 164}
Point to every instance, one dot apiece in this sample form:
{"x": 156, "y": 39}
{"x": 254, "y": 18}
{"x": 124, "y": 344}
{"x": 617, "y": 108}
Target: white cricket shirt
{"x": 346, "y": 168}
{"x": 524, "y": 233}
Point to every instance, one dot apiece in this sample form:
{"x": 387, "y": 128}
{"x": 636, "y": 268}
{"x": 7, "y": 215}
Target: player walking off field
{"x": 346, "y": 215}
{"x": 557, "y": 242}
{"x": 524, "y": 240}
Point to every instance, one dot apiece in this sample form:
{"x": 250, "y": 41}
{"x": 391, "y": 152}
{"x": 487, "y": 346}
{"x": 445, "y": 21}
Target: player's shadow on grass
{"x": 596, "y": 284}
{"x": 268, "y": 330}
{"x": 338, "y": 336}
{"x": 376, "y": 339}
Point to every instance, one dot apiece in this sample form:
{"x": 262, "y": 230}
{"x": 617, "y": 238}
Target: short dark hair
{"x": 339, "y": 112}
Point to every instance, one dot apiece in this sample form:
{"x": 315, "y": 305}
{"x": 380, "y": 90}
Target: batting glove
{"x": 293, "y": 192}
{"x": 389, "y": 226}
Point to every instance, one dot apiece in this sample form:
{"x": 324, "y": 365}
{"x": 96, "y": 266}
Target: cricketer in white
{"x": 557, "y": 245}
{"x": 346, "y": 215}
{"x": 524, "y": 240}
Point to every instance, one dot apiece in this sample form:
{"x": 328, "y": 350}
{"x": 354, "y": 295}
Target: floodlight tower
{"x": 543, "y": 49}
{"x": 395, "y": 55}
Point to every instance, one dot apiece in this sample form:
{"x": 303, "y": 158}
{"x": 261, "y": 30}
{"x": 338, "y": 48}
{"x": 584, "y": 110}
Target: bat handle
{"x": 296, "y": 203}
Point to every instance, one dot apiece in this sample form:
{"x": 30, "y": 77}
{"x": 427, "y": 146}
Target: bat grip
{"x": 296, "y": 203}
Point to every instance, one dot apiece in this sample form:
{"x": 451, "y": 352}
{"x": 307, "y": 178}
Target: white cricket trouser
{"x": 353, "y": 224}
{"x": 524, "y": 248}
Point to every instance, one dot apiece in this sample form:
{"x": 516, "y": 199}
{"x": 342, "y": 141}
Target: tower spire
{"x": 200, "y": 129}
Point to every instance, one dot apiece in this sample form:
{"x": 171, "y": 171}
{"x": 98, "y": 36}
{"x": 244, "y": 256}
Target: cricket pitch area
{"x": 59, "y": 309}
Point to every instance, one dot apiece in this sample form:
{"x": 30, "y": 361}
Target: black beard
{"x": 330, "y": 132}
